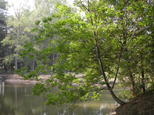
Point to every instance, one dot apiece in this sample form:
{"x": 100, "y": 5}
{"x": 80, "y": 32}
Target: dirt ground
{"x": 140, "y": 105}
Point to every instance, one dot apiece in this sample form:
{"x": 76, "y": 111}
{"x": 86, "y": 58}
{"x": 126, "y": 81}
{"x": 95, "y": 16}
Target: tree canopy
{"x": 97, "y": 38}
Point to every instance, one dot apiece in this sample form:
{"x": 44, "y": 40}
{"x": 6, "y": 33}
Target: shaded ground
{"x": 140, "y": 105}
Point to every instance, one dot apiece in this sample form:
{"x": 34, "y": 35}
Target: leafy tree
{"x": 19, "y": 31}
{"x": 80, "y": 47}
{"x": 44, "y": 8}
{"x": 16, "y": 37}
{"x": 137, "y": 55}
{"x": 99, "y": 44}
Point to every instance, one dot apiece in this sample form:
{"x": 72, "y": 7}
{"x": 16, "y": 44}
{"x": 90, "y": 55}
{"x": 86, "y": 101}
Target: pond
{"x": 17, "y": 99}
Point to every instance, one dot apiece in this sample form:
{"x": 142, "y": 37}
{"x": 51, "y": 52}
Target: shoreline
{"x": 15, "y": 78}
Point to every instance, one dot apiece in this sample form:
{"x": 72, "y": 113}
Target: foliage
{"x": 111, "y": 40}
{"x": 138, "y": 58}
{"x": 3, "y": 29}
{"x": 16, "y": 34}
{"x": 19, "y": 29}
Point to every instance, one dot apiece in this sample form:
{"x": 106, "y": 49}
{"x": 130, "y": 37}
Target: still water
{"x": 17, "y": 99}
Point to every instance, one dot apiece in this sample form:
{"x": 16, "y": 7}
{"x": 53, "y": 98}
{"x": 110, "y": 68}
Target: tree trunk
{"x": 132, "y": 83}
{"x": 115, "y": 97}
{"x": 16, "y": 60}
{"x": 53, "y": 62}
{"x": 33, "y": 66}
{"x": 12, "y": 68}
{"x": 105, "y": 79}
{"x": 5, "y": 68}
{"x": 143, "y": 81}
{"x": 101, "y": 65}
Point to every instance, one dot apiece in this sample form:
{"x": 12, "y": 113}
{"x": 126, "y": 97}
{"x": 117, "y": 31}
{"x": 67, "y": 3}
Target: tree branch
{"x": 117, "y": 67}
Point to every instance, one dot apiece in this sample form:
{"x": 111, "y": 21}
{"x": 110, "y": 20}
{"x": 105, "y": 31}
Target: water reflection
{"x": 16, "y": 99}
{"x": 2, "y": 85}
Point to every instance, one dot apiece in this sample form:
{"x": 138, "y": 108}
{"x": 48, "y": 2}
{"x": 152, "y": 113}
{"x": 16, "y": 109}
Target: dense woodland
{"x": 16, "y": 31}
{"x": 102, "y": 39}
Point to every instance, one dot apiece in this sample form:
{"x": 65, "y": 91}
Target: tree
{"x": 137, "y": 55}
{"x": 3, "y": 29}
{"x": 19, "y": 31}
{"x": 97, "y": 44}
{"x": 16, "y": 37}
{"x": 44, "y": 8}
